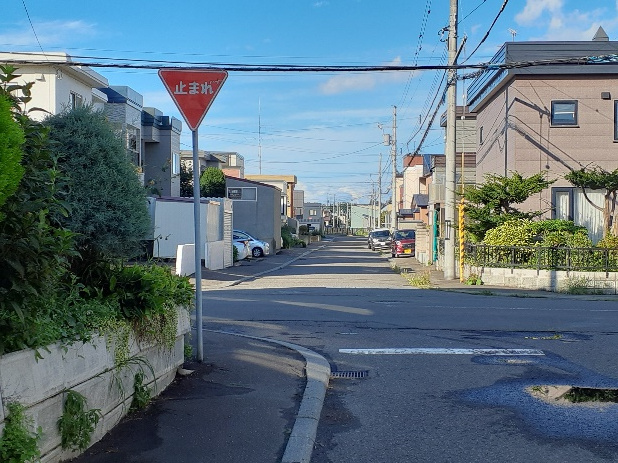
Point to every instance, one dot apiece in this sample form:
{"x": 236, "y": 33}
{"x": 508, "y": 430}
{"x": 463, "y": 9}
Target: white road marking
{"x": 443, "y": 351}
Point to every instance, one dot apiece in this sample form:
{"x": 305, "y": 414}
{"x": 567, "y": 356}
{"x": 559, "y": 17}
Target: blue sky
{"x": 321, "y": 127}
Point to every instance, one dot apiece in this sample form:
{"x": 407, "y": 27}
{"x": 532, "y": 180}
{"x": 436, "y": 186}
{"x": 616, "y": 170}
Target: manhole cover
{"x": 350, "y": 374}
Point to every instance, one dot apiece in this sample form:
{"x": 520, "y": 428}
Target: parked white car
{"x": 257, "y": 248}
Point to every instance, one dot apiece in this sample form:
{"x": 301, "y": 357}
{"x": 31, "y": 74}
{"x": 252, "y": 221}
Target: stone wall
{"x": 89, "y": 369}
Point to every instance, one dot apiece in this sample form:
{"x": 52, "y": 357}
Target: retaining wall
{"x": 549, "y": 280}
{"x": 88, "y": 369}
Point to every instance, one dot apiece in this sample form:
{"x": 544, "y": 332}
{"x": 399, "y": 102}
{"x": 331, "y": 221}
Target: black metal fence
{"x": 543, "y": 258}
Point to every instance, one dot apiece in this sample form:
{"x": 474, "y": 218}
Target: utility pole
{"x": 394, "y": 162}
{"x": 380, "y": 192}
{"x": 450, "y": 148}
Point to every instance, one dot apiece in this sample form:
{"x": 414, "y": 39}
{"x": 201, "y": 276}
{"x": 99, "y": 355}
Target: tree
{"x": 599, "y": 179}
{"x": 11, "y": 140}
{"x": 212, "y": 183}
{"x": 108, "y": 203}
{"x": 492, "y": 203}
{"x": 186, "y": 181}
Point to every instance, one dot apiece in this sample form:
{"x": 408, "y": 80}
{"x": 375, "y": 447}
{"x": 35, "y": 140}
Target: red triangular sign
{"x": 193, "y": 91}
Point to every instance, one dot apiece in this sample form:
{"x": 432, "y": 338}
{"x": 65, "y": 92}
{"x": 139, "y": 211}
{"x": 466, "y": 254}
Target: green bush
{"x": 108, "y": 204}
{"x": 517, "y": 232}
{"x": 11, "y": 141}
{"x": 35, "y": 247}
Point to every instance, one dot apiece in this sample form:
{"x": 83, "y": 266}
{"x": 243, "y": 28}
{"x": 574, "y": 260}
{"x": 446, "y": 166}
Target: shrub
{"x": 108, "y": 203}
{"x": 34, "y": 245}
{"x": 11, "y": 140}
{"x": 516, "y": 232}
{"x": 212, "y": 183}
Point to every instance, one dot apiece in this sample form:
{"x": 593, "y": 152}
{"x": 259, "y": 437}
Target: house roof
{"x": 420, "y": 200}
{"x": 596, "y": 59}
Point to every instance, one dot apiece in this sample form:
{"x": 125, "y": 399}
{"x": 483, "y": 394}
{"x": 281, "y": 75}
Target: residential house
{"x": 551, "y": 118}
{"x": 161, "y": 152}
{"x": 313, "y": 216}
{"x": 124, "y": 110}
{"x": 231, "y": 163}
{"x": 58, "y": 85}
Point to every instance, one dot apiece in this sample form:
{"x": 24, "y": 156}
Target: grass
{"x": 419, "y": 280}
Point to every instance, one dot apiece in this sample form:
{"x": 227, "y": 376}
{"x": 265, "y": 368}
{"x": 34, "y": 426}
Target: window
{"x": 75, "y": 100}
{"x": 481, "y": 135}
{"x": 616, "y": 120}
{"x": 175, "y": 163}
{"x": 569, "y": 203}
{"x": 564, "y": 113}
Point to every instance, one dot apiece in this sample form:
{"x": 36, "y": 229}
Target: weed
{"x": 474, "y": 279}
{"x": 77, "y": 424}
{"x": 19, "y": 443}
{"x": 578, "y": 286}
{"x": 141, "y": 393}
{"x": 584, "y": 394}
{"x": 421, "y": 280}
{"x": 486, "y": 292}
{"x": 188, "y": 351}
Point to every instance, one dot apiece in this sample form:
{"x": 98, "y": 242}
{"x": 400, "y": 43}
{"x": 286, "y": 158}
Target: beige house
{"x": 552, "y": 119}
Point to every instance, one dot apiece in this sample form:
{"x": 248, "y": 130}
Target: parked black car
{"x": 379, "y": 238}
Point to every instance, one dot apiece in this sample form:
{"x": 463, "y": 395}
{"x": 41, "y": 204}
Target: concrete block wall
{"x": 89, "y": 369}
{"x": 548, "y": 280}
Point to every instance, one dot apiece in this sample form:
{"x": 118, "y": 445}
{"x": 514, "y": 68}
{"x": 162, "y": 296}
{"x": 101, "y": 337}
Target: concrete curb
{"x": 302, "y": 439}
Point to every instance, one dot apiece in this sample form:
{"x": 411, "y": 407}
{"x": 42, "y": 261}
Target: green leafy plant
{"x": 19, "y": 442}
{"x": 11, "y": 140}
{"x": 493, "y": 202}
{"x": 577, "y": 285}
{"x": 77, "y": 424}
{"x": 35, "y": 248}
{"x": 212, "y": 183}
{"x": 141, "y": 393}
{"x": 188, "y": 351}
{"x": 473, "y": 279}
{"x": 420, "y": 280}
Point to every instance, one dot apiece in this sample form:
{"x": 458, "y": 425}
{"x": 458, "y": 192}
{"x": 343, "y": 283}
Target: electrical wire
{"x": 488, "y": 30}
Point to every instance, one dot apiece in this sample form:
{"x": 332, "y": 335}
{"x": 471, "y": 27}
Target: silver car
{"x": 258, "y": 248}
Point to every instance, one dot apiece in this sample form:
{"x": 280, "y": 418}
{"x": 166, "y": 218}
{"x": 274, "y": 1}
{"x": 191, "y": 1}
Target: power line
{"x": 488, "y": 30}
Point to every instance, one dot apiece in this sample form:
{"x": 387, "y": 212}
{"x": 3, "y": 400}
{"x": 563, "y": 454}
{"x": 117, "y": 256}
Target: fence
{"x": 543, "y": 258}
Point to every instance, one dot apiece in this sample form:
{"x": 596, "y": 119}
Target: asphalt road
{"x": 453, "y": 406}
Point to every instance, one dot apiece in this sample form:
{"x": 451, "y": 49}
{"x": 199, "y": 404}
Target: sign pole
{"x": 193, "y": 91}
{"x": 198, "y": 247}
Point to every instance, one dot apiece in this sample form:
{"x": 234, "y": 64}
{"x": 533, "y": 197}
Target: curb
{"x": 302, "y": 439}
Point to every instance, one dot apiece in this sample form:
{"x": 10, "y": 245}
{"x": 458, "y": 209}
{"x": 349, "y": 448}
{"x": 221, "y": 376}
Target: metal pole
{"x": 394, "y": 162}
{"x": 198, "y": 248}
{"x": 380, "y": 192}
{"x": 449, "y": 196}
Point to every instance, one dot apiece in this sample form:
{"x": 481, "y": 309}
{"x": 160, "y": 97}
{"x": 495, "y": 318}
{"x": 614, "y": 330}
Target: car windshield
{"x": 404, "y": 235}
{"x": 380, "y": 233}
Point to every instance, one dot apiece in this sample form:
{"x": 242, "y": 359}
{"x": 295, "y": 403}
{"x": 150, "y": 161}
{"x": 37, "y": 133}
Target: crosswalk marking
{"x": 442, "y": 351}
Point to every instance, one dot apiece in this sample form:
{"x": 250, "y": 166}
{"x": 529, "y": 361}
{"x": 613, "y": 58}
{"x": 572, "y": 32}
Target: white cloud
{"x": 350, "y": 82}
{"x": 535, "y": 8}
{"x": 49, "y": 33}
{"x": 320, "y": 4}
{"x": 563, "y": 23}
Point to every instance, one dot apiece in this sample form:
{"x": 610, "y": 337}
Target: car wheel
{"x": 257, "y": 252}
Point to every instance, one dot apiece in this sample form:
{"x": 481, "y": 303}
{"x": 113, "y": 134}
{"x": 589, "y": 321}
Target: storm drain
{"x": 349, "y": 374}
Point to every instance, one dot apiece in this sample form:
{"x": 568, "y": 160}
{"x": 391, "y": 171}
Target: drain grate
{"x": 350, "y": 374}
